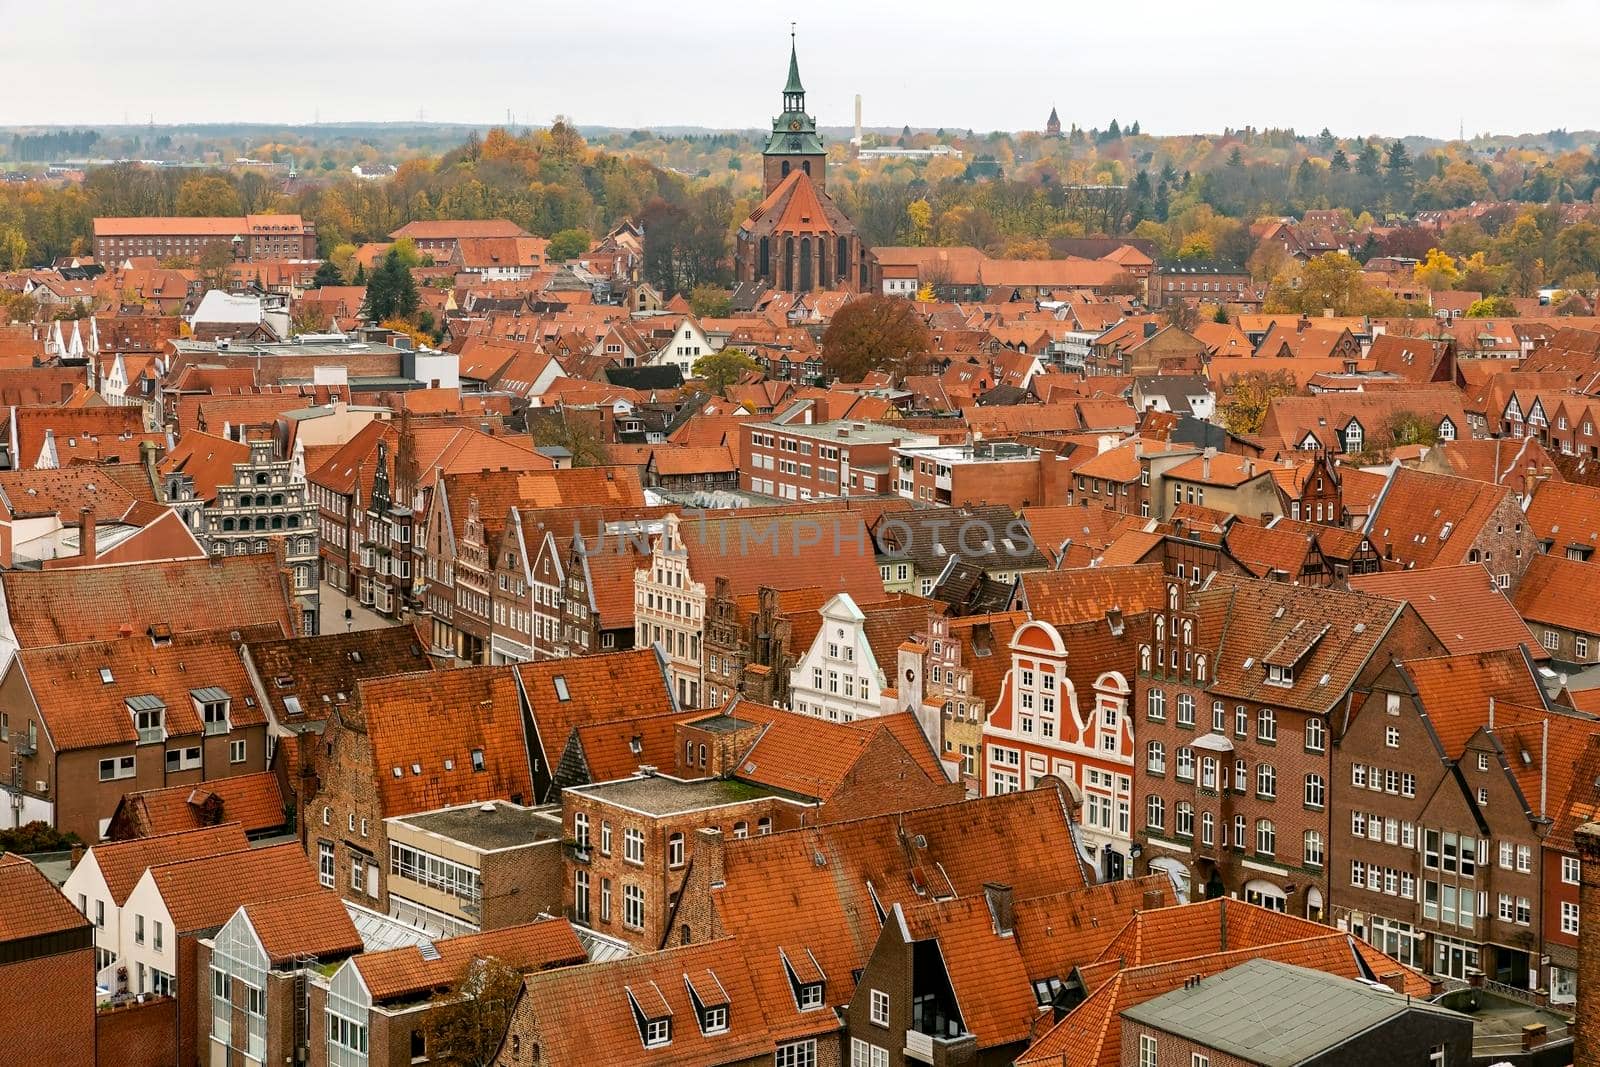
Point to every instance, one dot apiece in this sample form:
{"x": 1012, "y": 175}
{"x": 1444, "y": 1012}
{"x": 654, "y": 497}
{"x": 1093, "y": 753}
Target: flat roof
{"x": 721, "y": 724}
{"x": 1002, "y": 452}
{"x": 494, "y": 825}
{"x": 663, "y": 795}
{"x": 1276, "y": 1014}
{"x": 845, "y": 431}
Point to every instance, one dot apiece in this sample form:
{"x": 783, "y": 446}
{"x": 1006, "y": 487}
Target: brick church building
{"x": 798, "y": 239}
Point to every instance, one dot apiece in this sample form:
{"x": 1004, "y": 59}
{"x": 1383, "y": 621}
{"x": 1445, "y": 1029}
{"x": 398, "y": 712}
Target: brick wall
{"x": 348, "y": 788}
{"x": 1586, "y": 1052}
{"x": 65, "y": 982}
{"x": 886, "y": 779}
{"x": 520, "y": 884}
{"x": 137, "y": 1035}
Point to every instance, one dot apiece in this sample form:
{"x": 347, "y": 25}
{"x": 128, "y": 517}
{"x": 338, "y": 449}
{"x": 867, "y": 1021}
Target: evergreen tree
{"x": 1340, "y": 161}
{"x": 327, "y": 274}
{"x": 1367, "y": 162}
{"x": 1113, "y": 132}
{"x": 1325, "y": 141}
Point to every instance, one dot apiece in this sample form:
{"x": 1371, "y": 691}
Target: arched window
{"x": 294, "y": 522}
{"x": 822, "y": 263}
{"x": 784, "y": 170}
{"x": 1266, "y": 781}
{"x": 261, "y": 522}
{"x": 765, "y": 257}
{"x": 277, "y": 522}
{"x": 227, "y": 524}
{"x": 277, "y": 500}
{"x": 1156, "y": 758}
{"x": 788, "y": 262}
{"x": 1238, "y": 831}
{"x": 806, "y": 166}
{"x": 841, "y": 258}
{"x": 805, "y": 264}
{"x": 1266, "y": 837}
{"x": 1155, "y": 813}
{"x": 675, "y": 849}
{"x": 1316, "y": 791}
{"x": 1185, "y": 819}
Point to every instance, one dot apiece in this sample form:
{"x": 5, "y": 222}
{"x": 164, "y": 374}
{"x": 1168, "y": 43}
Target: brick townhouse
{"x": 1064, "y": 710}
{"x": 247, "y": 237}
{"x": 1562, "y": 877}
{"x": 750, "y": 770}
{"x": 1447, "y": 780}
{"x": 824, "y": 459}
{"x": 1436, "y": 520}
{"x": 410, "y": 744}
{"x": 1239, "y": 702}
{"x": 89, "y": 722}
{"x": 787, "y": 550}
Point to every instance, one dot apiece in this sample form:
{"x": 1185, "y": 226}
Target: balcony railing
{"x": 152, "y": 735}
{"x": 213, "y": 729}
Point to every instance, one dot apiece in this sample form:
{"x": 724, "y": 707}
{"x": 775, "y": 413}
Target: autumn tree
{"x": 568, "y": 244}
{"x": 467, "y": 1022}
{"x": 724, "y": 368}
{"x": 209, "y": 195}
{"x": 575, "y": 429}
{"x": 1437, "y": 272}
{"x": 13, "y": 248}
{"x": 919, "y": 222}
{"x": 1491, "y": 307}
{"x": 710, "y": 301}
{"x": 1248, "y": 397}
{"x": 213, "y": 263}
{"x": 1331, "y": 280}
{"x": 875, "y": 333}
{"x": 1410, "y": 428}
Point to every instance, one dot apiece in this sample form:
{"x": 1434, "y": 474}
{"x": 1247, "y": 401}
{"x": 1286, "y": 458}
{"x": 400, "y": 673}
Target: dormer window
{"x": 149, "y": 718}
{"x": 1277, "y": 675}
{"x": 805, "y": 977}
{"x": 212, "y": 704}
{"x": 710, "y": 1001}
{"x": 651, "y": 1014}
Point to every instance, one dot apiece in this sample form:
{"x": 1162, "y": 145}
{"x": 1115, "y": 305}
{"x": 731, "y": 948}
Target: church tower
{"x": 795, "y": 143}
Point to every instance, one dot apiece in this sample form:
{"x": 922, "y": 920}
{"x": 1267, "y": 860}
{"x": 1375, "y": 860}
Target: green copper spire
{"x": 794, "y": 85}
{"x": 794, "y": 132}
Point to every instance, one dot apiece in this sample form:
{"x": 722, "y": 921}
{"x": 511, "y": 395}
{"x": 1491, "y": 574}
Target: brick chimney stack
{"x": 86, "y": 545}
{"x": 1586, "y": 1047}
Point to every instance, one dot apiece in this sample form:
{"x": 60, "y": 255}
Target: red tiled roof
{"x": 122, "y": 863}
{"x": 1565, "y": 515}
{"x": 1461, "y": 605}
{"x": 403, "y": 973}
{"x": 1455, "y": 691}
{"x": 985, "y": 968}
{"x": 1431, "y": 520}
{"x": 1088, "y": 593}
{"x": 252, "y": 801}
{"x": 50, "y": 607}
{"x": 81, "y": 708}
{"x": 200, "y": 894}
{"x": 30, "y": 906}
{"x": 580, "y": 1010}
{"x": 451, "y": 737}
{"x": 304, "y": 924}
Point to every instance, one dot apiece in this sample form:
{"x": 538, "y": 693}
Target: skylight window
{"x": 105, "y": 675}
{"x": 561, "y": 688}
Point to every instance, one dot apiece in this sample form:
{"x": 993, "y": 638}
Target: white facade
{"x": 148, "y": 949}
{"x": 688, "y": 344}
{"x": 86, "y": 888}
{"x": 838, "y": 678}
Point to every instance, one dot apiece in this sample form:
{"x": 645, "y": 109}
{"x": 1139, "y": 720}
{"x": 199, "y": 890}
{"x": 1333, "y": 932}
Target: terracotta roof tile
{"x": 1070, "y": 929}
{"x": 451, "y": 737}
{"x": 807, "y": 889}
{"x": 1431, "y": 520}
{"x": 404, "y": 973}
{"x": 252, "y": 801}
{"x": 49, "y": 607}
{"x": 582, "y": 1009}
{"x": 30, "y": 906}
{"x": 602, "y": 688}
{"x": 304, "y": 924}
{"x": 985, "y": 968}
{"x": 319, "y": 673}
{"x": 1088, "y": 593}
{"x": 1461, "y": 605}
{"x": 1455, "y": 691}
{"x": 86, "y": 692}
{"x": 1565, "y": 515}
{"x": 123, "y": 863}
{"x": 200, "y": 894}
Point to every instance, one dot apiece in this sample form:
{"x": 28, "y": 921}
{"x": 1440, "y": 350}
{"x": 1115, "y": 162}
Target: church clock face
{"x": 794, "y": 124}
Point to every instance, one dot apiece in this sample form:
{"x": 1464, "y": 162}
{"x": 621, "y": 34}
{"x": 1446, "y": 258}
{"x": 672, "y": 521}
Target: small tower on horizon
{"x": 1052, "y": 125}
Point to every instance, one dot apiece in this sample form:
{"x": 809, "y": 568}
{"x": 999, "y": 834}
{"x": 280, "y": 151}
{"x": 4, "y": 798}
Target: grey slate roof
{"x": 1275, "y": 1014}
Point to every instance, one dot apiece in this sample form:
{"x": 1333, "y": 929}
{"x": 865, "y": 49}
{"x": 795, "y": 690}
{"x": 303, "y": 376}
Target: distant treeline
{"x": 50, "y": 147}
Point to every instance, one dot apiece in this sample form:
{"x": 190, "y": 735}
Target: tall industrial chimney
{"x": 857, "y": 140}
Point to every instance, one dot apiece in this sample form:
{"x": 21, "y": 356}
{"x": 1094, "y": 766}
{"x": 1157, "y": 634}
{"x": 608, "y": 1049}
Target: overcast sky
{"x": 1356, "y": 66}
